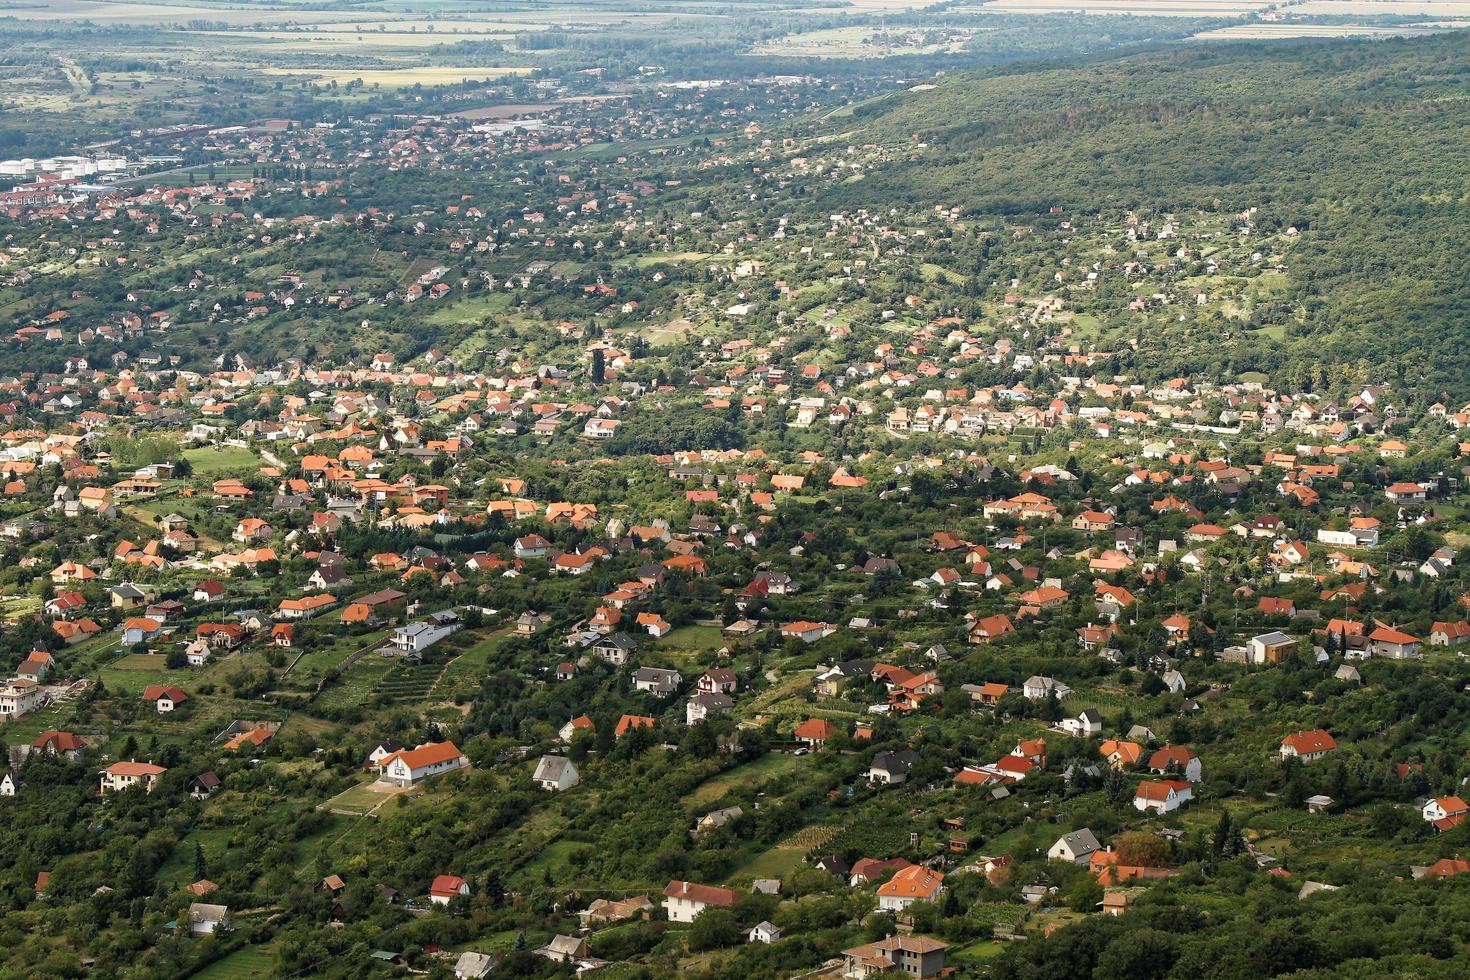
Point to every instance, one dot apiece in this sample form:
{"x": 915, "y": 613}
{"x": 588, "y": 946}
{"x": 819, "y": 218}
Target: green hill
{"x": 1363, "y": 147}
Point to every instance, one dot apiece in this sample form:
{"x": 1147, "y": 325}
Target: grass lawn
{"x": 987, "y": 949}
{"x": 359, "y": 799}
{"x": 179, "y": 867}
{"x": 778, "y": 862}
{"x": 690, "y": 641}
{"x": 243, "y": 964}
{"x": 752, "y": 773}
{"x": 134, "y": 671}
{"x": 210, "y": 461}
{"x": 13, "y": 607}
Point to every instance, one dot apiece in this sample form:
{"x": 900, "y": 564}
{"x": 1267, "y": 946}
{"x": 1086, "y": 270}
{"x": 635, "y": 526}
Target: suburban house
{"x": 18, "y": 697}
{"x": 717, "y": 680}
{"x": 990, "y": 628}
{"x": 564, "y": 949}
{"x": 1269, "y": 648}
{"x": 814, "y": 732}
{"x": 1162, "y": 796}
{"x": 1084, "y": 724}
{"x": 165, "y": 697}
{"x": 555, "y": 773}
{"x": 915, "y": 883}
{"x": 205, "y": 920}
{"x": 1449, "y": 634}
{"x": 1307, "y": 746}
{"x": 615, "y": 648}
{"x": 418, "y": 637}
{"x": 53, "y": 743}
{"x": 125, "y": 775}
{"x": 140, "y": 629}
{"x": 1037, "y": 688}
{"x": 807, "y": 632}
{"x": 446, "y": 888}
{"x": 409, "y": 767}
{"x": 1393, "y": 644}
{"x": 685, "y": 900}
{"x": 657, "y": 680}
{"x": 916, "y": 956}
{"x": 1076, "y": 847}
{"x": 581, "y": 723}
{"x": 1445, "y": 812}
{"x": 892, "y": 768}
{"x": 1178, "y": 759}
{"x": 704, "y": 706}
{"x": 763, "y": 932}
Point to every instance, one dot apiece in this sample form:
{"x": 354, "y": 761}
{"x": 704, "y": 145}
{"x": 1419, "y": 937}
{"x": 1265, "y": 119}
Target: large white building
{"x": 412, "y": 766}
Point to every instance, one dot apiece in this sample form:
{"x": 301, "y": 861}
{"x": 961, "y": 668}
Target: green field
{"x": 209, "y": 461}
{"x": 750, "y": 774}
{"x": 243, "y": 964}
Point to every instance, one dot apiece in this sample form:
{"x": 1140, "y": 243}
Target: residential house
{"x": 685, "y": 900}
{"x": 555, "y": 773}
{"x": 1162, "y": 796}
{"x": 1076, "y": 847}
{"x": 657, "y": 680}
{"x": 409, "y": 767}
{"x": 446, "y": 888}
{"x": 919, "y": 957}
{"x": 125, "y": 775}
{"x": 915, "y": 883}
{"x": 1308, "y": 746}
{"x": 893, "y": 767}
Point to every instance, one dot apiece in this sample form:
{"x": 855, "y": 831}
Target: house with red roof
{"x": 446, "y": 888}
{"x": 1445, "y": 812}
{"x": 165, "y": 697}
{"x": 685, "y": 900}
{"x": 409, "y": 767}
{"x": 1307, "y": 746}
{"x": 814, "y": 732}
{"x": 915, "y": 883}
{"x": 1162, "y": 796}
{"x": 1385, "y": 641}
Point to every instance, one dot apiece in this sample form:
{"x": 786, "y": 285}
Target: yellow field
{"x": 349, "y": 40}
{"x": 1268, "y": 32}
{"x": 1139, "y": 8}
{"x": 397, "y": 77}
{"x": 844, "y": 42}
{"x": 1401, "y": 8}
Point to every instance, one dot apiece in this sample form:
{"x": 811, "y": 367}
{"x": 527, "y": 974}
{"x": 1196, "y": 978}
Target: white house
{"x": 763, "y": 932}
{"x": 18, "y": 697}
{"x": 1450, "y": 809}
{"x": 1084, "y": 724}
{"x": 205, "y": 920}
{"x": 445, "y": 888}
{"x": 685, "y": 900}
{"x": 703, "y": 706}
{"x": 555, "y": 773}
{"x": 1075, "y": 847}
{"x": 1179, "y": 759}
{"x": 418, "y": 637}
{"x": 7, "y": 785}
{"x": 657, "y": 680}
{"x": 412, "y": 766}
{"x": 127, "y": 774}
{"x": 1162, "y": 796}
{"x": 1037, "y": 688}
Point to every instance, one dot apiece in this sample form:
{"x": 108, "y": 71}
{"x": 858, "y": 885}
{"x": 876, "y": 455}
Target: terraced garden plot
{"x": 408, "y": 683}
{"x": 356, "y": 686}
{"x": 245, "y": 963}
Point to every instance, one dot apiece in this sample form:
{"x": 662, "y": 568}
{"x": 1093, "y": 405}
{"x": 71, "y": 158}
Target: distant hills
{"x": 1365, "y": 147}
